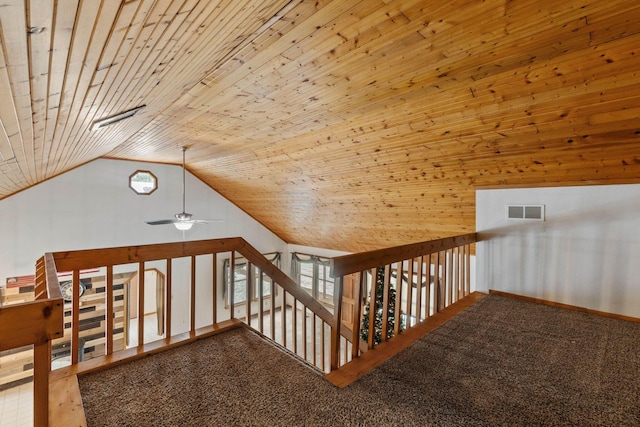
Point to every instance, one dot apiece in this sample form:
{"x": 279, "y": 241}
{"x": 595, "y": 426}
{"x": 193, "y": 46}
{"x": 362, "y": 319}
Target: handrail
{"x": 300, "y": 315}
{"x": 406, "y": 285}
{"x": 94, "y": 258}
{"x": 255, "y": 257}
{"x": 269, "y": 293}
{"x": 353, "y": 263}
{"x": 36, "y": 323}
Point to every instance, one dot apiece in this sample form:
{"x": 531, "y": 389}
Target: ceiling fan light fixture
{"x": 183, "y": 226}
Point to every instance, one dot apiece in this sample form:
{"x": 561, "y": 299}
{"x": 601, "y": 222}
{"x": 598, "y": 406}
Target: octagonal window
{"x": 143, "y": 182}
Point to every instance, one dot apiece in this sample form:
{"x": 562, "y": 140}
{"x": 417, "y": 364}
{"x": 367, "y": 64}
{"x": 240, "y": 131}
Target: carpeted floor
{"x": 502, "y": 362}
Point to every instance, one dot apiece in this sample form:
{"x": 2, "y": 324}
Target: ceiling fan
{"x": 183, "y": 219}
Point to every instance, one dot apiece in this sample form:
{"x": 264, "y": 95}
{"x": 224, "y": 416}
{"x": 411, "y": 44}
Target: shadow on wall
{"x": 585, "y": 259}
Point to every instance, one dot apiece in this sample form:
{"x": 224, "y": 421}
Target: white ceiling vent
{"x": 528, "y": 212}
{"x": 115, "y": 118}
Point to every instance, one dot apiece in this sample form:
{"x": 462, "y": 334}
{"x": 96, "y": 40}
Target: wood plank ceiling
{"x": 343, "y": 124}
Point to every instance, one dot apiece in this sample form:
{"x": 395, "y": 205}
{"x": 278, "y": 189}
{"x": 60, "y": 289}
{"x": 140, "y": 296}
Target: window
{"x": 240, "y": 279}
{"x": 312, "y": 273}
{"x": 143, "y": 182}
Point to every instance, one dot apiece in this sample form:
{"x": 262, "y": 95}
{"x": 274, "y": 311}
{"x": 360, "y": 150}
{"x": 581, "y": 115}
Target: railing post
{"x": 385, "y": 304}
{"x": 192, "y": 326}
{"x": 108, "y": 315}
{"x": 75, "y": 317}
{"x": 168, "y": 303}
{"x": 214, "y": 278}
{"x": 357, "y": 315}
{"x": 141, "y": 287}
{"x": 337, "y": 323}
{"x": 41, "y": 369}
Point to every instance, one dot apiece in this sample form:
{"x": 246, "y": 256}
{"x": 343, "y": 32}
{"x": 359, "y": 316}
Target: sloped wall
{"x": 585, "y": 253}
{"x": 93, "y": 207}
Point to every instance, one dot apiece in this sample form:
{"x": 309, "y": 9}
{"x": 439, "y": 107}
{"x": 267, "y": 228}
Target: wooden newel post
{"x": 41, "y": 369}
{"x": 337, "y": 323}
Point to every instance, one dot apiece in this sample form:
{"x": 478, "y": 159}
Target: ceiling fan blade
{"x": 162, "y": 222}
{"x": 206, "y": 220}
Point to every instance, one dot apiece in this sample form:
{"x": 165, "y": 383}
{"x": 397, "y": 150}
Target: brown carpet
{"x": 501, "y": 362}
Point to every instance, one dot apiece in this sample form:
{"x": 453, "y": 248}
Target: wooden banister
{"x": 437, "y": 275}
{"x": 256, "y": 258}
{"x": 36, "y": 323}
{"x": 300, "y": 315}
{"x": 354, "y": 263}
{"x": 95, "y": 258}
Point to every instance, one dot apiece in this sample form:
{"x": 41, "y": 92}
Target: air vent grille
{"x": 525, "y": 212}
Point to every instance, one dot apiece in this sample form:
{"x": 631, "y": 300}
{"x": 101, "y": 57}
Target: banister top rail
{"x": 95, "y": 258}
{"x": 287, "y": 283}
{"x": 53, "y": 286}
{"x": 348, "y": 264}
{"x": 34, "y": 322}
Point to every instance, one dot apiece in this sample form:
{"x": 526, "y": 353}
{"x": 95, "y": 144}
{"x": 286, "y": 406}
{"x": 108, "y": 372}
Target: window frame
{"x": 320, "y": 277}
{"x": 241, "y": 263}
{"x": 140, "y": 171}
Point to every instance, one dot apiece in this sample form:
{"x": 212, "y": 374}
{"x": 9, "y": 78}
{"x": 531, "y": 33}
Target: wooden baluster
{"x": 398, "y": 307}
{"x": 272, "y": 312}
{"x": 385, "y": 302}
{"x": 231, "y": 281}
{"x": 410, "y": 293}
{"x": 40, "y": 290}
{"x": 428, "y": 287}
{"x": 41, "y": 369}
{"x": 304, "y": 332}
{"x": 468, "y": 270}
{"x": 193, "y": 293}
{"x": 372, "y": 308}
{"x": 75, "y": 317}
{"x": 460, "y": 272}
{"x": 248, "y": 290}
{"x": 261, "y": 304}
{"x": 168, "y": 303}
{"x": 108, "y": 316}
{"x": 357, "y": 315}
{"x": 214, "y": 279}
{"x": 314, "y": 337}
{"x": 322, "y": 345}
{"x": 451, "y": 278}
{"x": 345, "y": 350}
{"x": 294, "y": 325}
{"x": 283, "y": 313}
{"x": 140, "y": 303}
{"x": 337, "y": 322}
{"x": 436, "y": 285}
{"x": 419, "y": 291}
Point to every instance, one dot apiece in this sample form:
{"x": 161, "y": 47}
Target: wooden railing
{"x": 410, "y": 283}
{"x": 425, "y": 278}
{"x": 278, "y": 308}
{"x": 36, "y": 323}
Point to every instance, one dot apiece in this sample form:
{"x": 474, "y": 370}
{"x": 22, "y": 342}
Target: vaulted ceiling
{"x": 343, "y": 124}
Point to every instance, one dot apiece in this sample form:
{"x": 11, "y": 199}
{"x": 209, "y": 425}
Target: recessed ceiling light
{"x": 115, "y": 118}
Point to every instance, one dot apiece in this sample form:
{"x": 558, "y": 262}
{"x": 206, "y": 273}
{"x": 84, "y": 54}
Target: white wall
{"x": 585, "y": 254}
{"x": 93, "y": 207}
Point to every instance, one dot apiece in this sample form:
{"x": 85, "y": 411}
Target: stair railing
{"x": 276, "y": 306}
{"x": 36, "y": 323}
{"x": 398, "y": 288}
